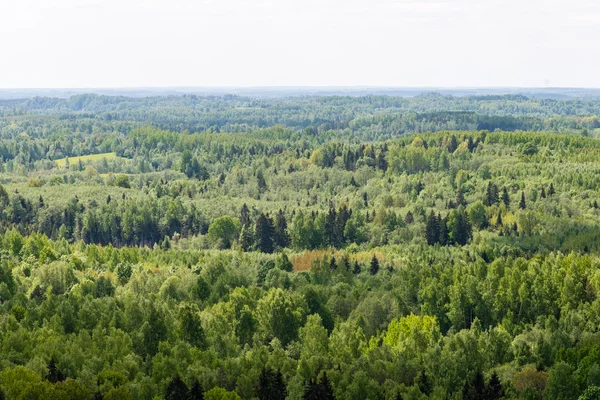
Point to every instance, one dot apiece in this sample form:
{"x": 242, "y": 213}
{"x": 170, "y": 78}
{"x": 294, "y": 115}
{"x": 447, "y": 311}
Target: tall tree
{"x": 270, "y": 386}
{"x": 505, "y": 197}
{"x": 522, "y": 203}
{"x": 459, "y": 227}
{"x": 54, "y": 374}
{"x": 177, "y": 389}
{"x": 432, "y": 229}
{"x": 374, "y": 267}
{"x": 281, "y": 238}
{"x": 245, "y": 215}
{"x": 475, "y": 388}
{"x": 444, "y": 234}
{"x": 264, "y": 234}
{"x": 494, "y": 389}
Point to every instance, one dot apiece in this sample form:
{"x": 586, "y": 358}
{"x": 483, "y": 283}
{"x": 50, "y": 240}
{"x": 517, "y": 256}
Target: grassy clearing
{"x": 92, "y": 157}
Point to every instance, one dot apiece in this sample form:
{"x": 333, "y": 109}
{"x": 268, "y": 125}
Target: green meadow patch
{"x": 92, "y": 157}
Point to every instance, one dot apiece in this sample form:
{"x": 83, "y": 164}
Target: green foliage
{"x": 218, "y": 393}
{"x": 122, "y": 181}
{"x": 478, "y": 215}
{"x": 223, "y": 231}
{"x": 333, "y": 255}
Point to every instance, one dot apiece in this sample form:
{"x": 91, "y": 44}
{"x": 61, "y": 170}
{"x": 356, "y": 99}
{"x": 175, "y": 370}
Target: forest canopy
{"x": 226, "y": 247}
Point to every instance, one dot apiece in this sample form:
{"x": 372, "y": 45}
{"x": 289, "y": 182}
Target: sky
{"x": 400, "y": 43}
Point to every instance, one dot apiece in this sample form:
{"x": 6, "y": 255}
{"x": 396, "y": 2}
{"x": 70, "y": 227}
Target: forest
{"x": 309, "y": 247}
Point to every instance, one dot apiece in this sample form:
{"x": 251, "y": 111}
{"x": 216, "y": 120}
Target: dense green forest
{"x": 227, "y": 247}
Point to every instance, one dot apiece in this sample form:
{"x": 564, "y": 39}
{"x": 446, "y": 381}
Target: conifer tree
{"x": 460, "y": 198}
{"x": 374, "y": 268}
{"x": 264, "y": 234}
{"x": 247, "y": 237}
{"x": 443, "y": 237}
{"x": 270, "y": 386}
{"x": 491, "y": 194}
{"x": 475, "y": 389}
{"x": 54, "y": 374}
{"x": 330, "y": 228}
{"x": 505, "y": 197}
{"x": 332, "y": 263}
{"x": 494, "y": 389}
{"x": 356, "y": 268}
{"x": 459, "y": 227}
{"x": 522, "y": 203}
{"x": 245, "y": 215}
{"x": 432, "y": 229}
{"x": 281, "y": 237}
{"x": 425, "y": 386}
{"x": 176, "y": 389}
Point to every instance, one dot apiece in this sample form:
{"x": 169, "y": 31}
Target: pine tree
{"x": 551, "y": 190}
{"x": 460, "y": 198}
{"x": 505, "y": 197}
{"x": 264, "y": 234}
{"x": 522, "y": 204}
{"x": 374, "y": 268}
{"x": 475, "y": 389}
{"x": 443, "y": 238}
{"x": 346, "y": 263}
{"x": 311, "y": 390}
{"x": 37, "y": 293}
{"x": 245, "y": 215}
{"x": 270, "y": 386}
{"x": 419, "y": 187}
{"x": 196, "y": 392}
{"x": 491, "y": 194}
{"x": 499, "y": 219}
{"x": 176, "y": 389}
{"x": 41, "y": 201}
{"x": 356, "y": 269}
{"x": 326, "y": 389}
{"x": 283, "y": 263}
{"x": 54, "y": 374}
{"x": 459, "y": 227}
{"x": 260, "y": 179}
{"x": 432, "y": 229}
{"x": 382, "y": 163}
{"x": 494, "y": 389}
{"x": 332, "y": 263}
{"x": 425, "y": 386}
{"x": 453, "y": 145}
{"x": 330, "y": 228}
{"x": 343, "y": 215}
{"x": 281, "y": 237}
{"x": 409, "y": 219}
{"x": 543, "y": 193}
{"x": 166, "y": 243}
{"x": 247, "y": 237}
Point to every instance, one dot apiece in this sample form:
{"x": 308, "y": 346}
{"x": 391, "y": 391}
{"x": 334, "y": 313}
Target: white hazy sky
{"x": 129, "y": 43}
